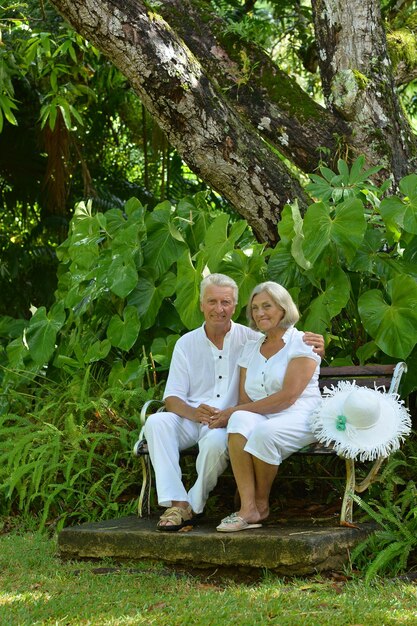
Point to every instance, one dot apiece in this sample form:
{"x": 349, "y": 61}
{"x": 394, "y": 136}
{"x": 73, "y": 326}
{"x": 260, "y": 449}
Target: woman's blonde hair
{"x": 281, "y": 297}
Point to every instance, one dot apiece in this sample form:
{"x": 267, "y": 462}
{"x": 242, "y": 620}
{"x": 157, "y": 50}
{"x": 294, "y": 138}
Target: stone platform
{"x": 287, "y": 549}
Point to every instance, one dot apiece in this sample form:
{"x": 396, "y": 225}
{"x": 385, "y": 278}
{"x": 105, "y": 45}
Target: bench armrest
{"x": 140, "y": 448}
{"x": 400, "y": 369}
{"x": 145, "y": 409}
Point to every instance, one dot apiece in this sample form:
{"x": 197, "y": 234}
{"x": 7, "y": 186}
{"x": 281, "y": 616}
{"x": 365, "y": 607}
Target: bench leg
{"x": 371, "y": 477}
{"x": 347, "y": 505}
{"x": 145, "y": 464}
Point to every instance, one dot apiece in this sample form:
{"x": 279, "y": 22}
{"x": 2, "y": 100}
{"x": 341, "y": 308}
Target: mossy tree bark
{"x": 358, "y": 82}
{"x": 267, "y": 98}
{"x": 227, "y": 109}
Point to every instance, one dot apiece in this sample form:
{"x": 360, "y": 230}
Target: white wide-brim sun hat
{"x": 361, "y": 423}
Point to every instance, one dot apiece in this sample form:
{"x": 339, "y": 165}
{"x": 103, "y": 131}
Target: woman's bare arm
{"x": 299, "y": 372}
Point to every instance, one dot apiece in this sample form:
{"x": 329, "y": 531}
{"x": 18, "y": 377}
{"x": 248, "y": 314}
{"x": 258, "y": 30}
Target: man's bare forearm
{"x": 200, "y": 414}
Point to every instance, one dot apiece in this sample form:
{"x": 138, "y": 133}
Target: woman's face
{"x": 266, "y": 314}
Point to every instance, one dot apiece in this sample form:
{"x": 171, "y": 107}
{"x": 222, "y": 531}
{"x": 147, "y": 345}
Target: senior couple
{"x": 235, "y": 391}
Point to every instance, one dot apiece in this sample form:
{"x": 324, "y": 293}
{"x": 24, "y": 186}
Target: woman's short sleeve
{"x": 300, "y": 349}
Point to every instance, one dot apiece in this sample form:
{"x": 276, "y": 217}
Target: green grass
{"x": 36, "y": 588}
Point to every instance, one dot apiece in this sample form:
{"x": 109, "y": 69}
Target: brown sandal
{"x": 178, "y": 517}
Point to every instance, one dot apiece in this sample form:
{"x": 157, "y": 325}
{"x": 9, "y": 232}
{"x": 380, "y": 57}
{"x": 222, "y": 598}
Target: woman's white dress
{"x": 274, "y": 437}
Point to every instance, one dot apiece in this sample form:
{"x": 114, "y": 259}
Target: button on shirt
{"x": 200, "y": 373}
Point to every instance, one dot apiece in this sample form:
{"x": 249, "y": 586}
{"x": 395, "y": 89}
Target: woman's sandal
{"x": 178, "y": 518}
{"x": 234, "y": 523}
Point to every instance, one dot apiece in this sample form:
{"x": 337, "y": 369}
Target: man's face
{"x": 218, "y": 305}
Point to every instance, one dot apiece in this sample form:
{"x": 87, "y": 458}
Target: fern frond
{"x": 374, "y": 514}
{"x": 386, "y": 560}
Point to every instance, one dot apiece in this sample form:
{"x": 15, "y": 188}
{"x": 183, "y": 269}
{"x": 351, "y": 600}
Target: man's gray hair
{"x": 281, "y": 297}
{"x": 219, "y": 280}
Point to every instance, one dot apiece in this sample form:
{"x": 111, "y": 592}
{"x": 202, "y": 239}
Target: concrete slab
{"x": 290, "y": 549}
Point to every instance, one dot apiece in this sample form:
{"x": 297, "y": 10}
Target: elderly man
{"x": 203, "y": 379}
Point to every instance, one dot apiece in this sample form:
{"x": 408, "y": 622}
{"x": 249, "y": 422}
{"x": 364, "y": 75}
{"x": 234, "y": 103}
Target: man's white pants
{"x": 167, "y": 434}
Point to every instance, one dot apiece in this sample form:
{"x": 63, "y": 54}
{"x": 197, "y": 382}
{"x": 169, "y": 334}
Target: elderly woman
{"x": 278, "y": 392}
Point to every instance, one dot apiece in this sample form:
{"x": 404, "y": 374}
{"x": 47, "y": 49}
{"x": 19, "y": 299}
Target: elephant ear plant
{"x": 73, "y": 377}
{"x": 350, "y": 263}
{"x": 74, "y": 380}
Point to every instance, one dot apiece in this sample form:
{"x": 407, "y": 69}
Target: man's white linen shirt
{"x": 200, "y": 373}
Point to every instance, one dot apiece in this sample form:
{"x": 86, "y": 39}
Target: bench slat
{"x": 357, "y": 370}
{"x": 360, "y": 382}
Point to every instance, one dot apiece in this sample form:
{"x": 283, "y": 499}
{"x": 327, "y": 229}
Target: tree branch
{"x": 192, "y": 110}
{"x": 270, "y": 100}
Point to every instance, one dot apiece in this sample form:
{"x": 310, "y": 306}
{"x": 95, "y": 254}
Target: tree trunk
{"x": 269, "y": 99}
{"x": 358, "y": 83}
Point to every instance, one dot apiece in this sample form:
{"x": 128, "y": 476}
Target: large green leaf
{"x": 282, "y": 267}
{"x": 97, "y": 351}
{"x": 123, "y": 332}
{"x": 134, "y": 209}
{"x": 346, "y": 229}
{"x": 82, "y": 294}
{"x": 16, "y": 352}
{"x": 410, "y": 256}
{"x": 287, "y": 256}
{"x": 247, "y": 268}
{"x": 286, "y": 223}
{"x": 165, "y": 243}
{"x": 129, "y": 375}
{"x": 393, "y": 323}
{"x": 402, "y": 213}
{"x": 147, "y": 296}
{"x": 408, "y": 186}
{"x": 189, "y": 278}
{"x": 386, "y": 267}
{"x": 85, "y": 236}
{"x": 127, "y": 235}
{"x": 40, "y": 335}
{"x": 392, "y": 212}
{"x": 123, "y": 276}
{"x": 162, "y": 349}
{"x": 127, "y": 241}
{"x": 367, "y": 253}
{"x": 317, "y": 225}
{"x": 113, "y": 221}
{"x": 329, "y": 303}
{"x": 194, "y": 218}
{"x": 290, "y": 230}
{"x": 298, "y": 240}
{"x": 84, "y": 251}
{"x": 219, "y": 239}
{"x": 84, "y": 223}
{"x": 168, "y": 317}
{"x": 101, "y": 273}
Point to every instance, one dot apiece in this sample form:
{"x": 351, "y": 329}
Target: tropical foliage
{"x": 70, "y": 128}
{"x": 128, "y": 286}
{"x": 350, "y": 261}
{"x": 393, "y": 547}
{"x": 107, "y": 233}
